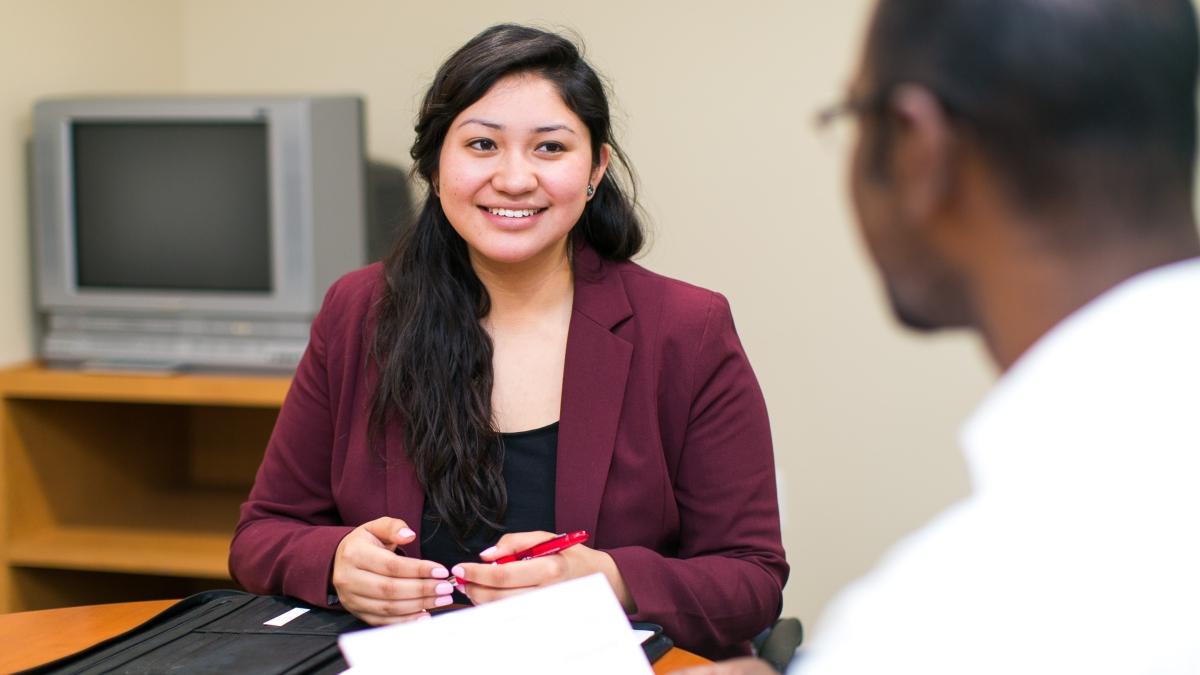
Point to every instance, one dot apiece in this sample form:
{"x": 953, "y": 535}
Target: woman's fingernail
{"x": 424, "y": 615}
{"x": 406, "y": 533}
{"x": 439, "y": 573}
{"x": 443, "y": 589}
{"x": 459, "y": 572}
{"x": 487, "y": 551}
{"x": 443, "y": 601}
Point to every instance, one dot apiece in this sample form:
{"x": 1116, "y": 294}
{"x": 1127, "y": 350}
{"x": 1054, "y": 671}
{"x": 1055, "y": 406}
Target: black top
{"x": 530, "y": 459}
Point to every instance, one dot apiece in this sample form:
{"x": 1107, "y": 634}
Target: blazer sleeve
{"x": 290, "y": 528}
{"x": 725, "y": 583}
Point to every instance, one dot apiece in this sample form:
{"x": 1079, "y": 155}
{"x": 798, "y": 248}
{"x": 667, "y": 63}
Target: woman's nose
{"x": 515, "y": 175}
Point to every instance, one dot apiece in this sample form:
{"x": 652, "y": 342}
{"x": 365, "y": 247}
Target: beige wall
{"x": 714, "y": 107}
{"x": 53, "y": 47}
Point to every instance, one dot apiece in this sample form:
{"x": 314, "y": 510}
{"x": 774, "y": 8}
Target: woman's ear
{"x": 600, "y": 167}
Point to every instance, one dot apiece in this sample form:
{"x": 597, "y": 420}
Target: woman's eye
{"x": 552, "y": 146}
{"x": 482, "y": 144}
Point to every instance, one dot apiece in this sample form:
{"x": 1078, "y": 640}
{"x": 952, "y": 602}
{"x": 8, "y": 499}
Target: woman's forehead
{"x": 524, "y": 102}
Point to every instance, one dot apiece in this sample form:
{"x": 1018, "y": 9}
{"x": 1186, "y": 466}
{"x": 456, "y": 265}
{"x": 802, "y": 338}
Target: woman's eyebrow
{"x": 475, "y": 120}
{"x": 553, "y": 127}
{"x": 500, "y": 127}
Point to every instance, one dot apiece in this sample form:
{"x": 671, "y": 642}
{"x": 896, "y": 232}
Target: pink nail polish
{"x": 443, "y": 601}
{"x": 487, "y": 551}
{"x": 406, "y": 533}
{"x": 458, "y": 571}
{"x": 439, "y": 573}
{"x": 443, "y": 589}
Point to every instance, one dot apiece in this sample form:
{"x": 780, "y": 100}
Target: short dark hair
{"x": 1063, "y": 96}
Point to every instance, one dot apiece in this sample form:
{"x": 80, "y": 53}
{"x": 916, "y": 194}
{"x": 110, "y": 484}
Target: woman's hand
{"x": 487, "y": 582}
{"x": 379, "y": 586}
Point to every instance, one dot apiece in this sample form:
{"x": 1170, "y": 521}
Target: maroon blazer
{"x": 664, "y": 455}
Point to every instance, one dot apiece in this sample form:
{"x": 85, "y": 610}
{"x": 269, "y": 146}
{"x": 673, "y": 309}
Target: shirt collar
{"x": 1098, "y": 382}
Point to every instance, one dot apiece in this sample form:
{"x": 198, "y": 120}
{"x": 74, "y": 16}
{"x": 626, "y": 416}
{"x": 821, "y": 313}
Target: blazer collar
{"x": 593, "y": 393}
{"x": 599, "y": 292}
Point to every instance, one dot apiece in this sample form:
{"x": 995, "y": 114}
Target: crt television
{"x": 192, "y": 233}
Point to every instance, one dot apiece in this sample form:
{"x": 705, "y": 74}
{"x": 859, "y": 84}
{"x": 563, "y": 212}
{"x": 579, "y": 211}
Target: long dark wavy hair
{"x": 433, "y": 355}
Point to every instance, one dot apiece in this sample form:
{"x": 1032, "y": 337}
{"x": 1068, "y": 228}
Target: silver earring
{"x": 591, "y": 190}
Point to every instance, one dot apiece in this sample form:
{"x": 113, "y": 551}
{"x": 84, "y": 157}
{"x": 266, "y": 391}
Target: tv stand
{"x": 118, "y": 487}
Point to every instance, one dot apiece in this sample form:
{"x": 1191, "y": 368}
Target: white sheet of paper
{"x": 573, "y": 627}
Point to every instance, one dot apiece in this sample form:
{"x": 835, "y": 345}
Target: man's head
{"x": 1077, "y": 115}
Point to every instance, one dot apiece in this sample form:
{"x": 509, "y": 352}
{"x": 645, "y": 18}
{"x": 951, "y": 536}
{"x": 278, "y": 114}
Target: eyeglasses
{"x": 849, "y": 107}
{"x": 875, "y": 103}
{"x": 832, "y": 122}
{"x": 830, "y": 114}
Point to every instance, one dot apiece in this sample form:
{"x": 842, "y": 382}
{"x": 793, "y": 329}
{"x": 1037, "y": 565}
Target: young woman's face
{"x": 514, "y": 171}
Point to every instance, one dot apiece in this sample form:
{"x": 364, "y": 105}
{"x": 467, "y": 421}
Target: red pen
{"x": 551, "y": 546}
{"x": 548, "y": 547}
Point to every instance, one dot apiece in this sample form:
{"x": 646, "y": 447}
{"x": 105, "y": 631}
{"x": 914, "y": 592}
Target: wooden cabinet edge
{"x": 32, "y": 381}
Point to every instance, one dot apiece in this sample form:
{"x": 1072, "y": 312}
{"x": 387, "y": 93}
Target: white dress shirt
{"x": 1079, "y": 548}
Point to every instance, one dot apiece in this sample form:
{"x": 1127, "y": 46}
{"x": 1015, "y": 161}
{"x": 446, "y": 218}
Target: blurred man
{"x": 1025, "y": 168}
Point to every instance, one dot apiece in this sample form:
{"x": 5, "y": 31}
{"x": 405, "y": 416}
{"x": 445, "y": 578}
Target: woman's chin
{"x": 518, "y": 253}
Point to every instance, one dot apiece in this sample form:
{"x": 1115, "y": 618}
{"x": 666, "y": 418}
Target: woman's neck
{"x": 529, "y": 290}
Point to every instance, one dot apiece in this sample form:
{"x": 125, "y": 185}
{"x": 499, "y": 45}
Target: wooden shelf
{"x": 118, "y": 487}
{"x": 36, "y": 382}
{"x": 111, "y": 549}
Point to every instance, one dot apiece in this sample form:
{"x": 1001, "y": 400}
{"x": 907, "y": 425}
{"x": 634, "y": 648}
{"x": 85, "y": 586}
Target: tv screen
{"x": 181, "y": 205}
{"x": 181, "y": 232}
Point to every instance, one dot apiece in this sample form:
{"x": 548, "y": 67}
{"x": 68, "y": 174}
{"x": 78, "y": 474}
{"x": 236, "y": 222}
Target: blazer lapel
{"x": 594, "y": 378}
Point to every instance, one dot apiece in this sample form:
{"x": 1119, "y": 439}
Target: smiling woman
{"x": 508, "y": 373}
{"x": 514, "y": 172}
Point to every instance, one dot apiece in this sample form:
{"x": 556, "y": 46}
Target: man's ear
{"x": 922, "y": 158}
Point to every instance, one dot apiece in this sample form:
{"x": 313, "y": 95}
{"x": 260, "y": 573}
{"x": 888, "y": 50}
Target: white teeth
{"x": 514, "y": 213}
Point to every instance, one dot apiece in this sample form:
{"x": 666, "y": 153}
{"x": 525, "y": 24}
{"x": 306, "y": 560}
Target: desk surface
{"x": 28, "y": 639}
